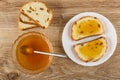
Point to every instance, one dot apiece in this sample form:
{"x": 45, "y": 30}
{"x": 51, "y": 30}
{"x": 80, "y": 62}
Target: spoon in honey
{"x": 29, "y": 50}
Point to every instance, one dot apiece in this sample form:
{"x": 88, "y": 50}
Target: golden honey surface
{"x": 33, "y": 61}
{"x": 92, "y": 49}
{"x": 87, "y": 27}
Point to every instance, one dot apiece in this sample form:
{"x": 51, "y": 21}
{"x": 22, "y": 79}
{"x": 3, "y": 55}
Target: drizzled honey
{"x": 87, "y": 27}
{"x": 92, "y": 49}
{"x": 34, "y": 61}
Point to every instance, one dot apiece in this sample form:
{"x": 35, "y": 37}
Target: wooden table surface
{"x": 60, "y": 69}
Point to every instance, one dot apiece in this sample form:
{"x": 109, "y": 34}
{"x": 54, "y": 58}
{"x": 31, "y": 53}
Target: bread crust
{"x": 90, "y": 35}
{"x": 33, "y": 19}
{"x": 90, "y": 41}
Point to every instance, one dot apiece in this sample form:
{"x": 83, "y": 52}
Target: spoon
{"x": 29, "y": 50}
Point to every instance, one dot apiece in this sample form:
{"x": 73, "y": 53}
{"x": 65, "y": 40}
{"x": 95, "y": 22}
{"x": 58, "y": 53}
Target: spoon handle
{"x": 51, "y": 54}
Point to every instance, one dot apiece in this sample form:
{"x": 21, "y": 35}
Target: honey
{"x": 37, "y": 42}
{"x": 92, "y": 49}
{"x": 88, "y": 27}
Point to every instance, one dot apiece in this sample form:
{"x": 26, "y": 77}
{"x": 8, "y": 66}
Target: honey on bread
{"x": 91, "y": 50}
{"x": 85, "y": 27}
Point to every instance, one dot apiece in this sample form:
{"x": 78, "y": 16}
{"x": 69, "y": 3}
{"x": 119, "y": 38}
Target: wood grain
{"x": 60, "y": 69}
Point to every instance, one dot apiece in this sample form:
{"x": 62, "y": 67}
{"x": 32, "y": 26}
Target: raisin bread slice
{"x": 91, "y": 50}
{"x": 39, "y": 12}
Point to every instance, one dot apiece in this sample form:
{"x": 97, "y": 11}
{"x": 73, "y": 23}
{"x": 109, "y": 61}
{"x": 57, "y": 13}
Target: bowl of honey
{"x": 32, "y": 63}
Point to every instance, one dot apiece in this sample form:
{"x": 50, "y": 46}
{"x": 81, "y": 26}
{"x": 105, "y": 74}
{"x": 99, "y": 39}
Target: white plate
{"x": 68, "y": 43}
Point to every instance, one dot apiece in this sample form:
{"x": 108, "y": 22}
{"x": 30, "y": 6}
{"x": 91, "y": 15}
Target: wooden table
{"x": 61, "y": 69}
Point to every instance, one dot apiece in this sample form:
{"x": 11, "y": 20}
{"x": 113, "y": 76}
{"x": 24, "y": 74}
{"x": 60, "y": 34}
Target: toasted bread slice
{"x": 92, "y": 50}
{"x": 38, "y": 12}
{"x": 86, "y": 27}
{"x": 24, "y": 26}
{"x": 26, "y": 19}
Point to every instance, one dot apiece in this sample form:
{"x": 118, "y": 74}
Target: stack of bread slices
{"x": 89, "y": 26}
{"x": 34, "y": 14}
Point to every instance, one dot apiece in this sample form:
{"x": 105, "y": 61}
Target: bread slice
{"x": 38, "y": 12}
{"x": 24, "y": 26}
{"x": 92, "y": 50}
{"x": 26, "y": 19}
{"x": 85, "y": 27}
